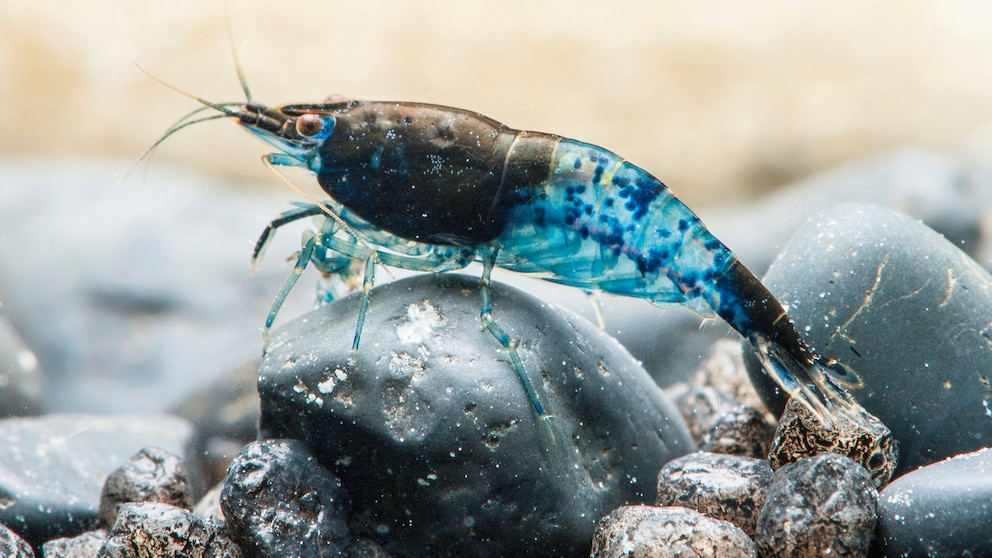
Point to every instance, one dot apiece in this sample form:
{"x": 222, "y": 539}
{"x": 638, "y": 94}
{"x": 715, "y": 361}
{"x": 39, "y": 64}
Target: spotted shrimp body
{"x": 432, "y": 188}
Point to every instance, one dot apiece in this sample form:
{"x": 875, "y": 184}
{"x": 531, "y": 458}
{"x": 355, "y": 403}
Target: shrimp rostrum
{"x": 432, "y": 188}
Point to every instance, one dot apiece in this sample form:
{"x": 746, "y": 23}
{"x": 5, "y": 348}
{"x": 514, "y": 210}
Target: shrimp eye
{"x": 309, "y": 125}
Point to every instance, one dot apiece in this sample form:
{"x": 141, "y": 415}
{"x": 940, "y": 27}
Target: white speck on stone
{"x": 327, "y": 386}
{"x": 421, "y": 321}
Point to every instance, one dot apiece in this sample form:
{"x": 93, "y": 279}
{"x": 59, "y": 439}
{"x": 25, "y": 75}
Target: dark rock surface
{"x": 908, "y": 311}
{"x": 52, "y": 468}
{"x": 674, "y": 531}
{"x": 819, "y": 506}
{"x": 853, "y": 433}
{"x": 153, "y": 530}
{"x": 944, "y": 509}
{"x": 739, "y": 431}
{"x": 278, "y": 501}
{"x": 726, "y": 487}
{"x": 434, "y": 437}
{"x": 151, "y": 475}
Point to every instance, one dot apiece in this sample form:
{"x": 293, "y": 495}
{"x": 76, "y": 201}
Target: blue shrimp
{"x": 432, "y": 188}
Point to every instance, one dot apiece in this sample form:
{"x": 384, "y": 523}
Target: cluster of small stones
{"x": 803, "y": 489}
{"x": 728, "y": 499}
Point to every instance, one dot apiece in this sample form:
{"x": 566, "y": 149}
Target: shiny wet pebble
{"x": 818, "y": 506}
{"x": 726, "y": 487}
{"x": 944, "y": 509}
{"x": 668, "y": 531}
{"x": 908, "y": 311}
{"x": 279, "y": 501}
{"x": 436, "y": 441}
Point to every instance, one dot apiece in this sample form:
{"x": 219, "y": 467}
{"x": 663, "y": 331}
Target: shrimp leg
{"x": 509, "y": 343}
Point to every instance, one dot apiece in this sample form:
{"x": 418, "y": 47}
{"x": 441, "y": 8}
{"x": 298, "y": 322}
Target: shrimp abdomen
{"x": 600, "y": 222}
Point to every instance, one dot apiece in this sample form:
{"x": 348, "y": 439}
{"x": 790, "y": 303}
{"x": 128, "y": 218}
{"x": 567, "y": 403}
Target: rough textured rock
{"x": 908, "y": 311}
{"x": 151, "y": 475}
{"x": 944, "y": 509}
{"x": 645, "y": 531}
{"x": 52, "y": 468}
{"x": 823, "y": 505}
{"x": 278, "y": 501}
{"x": 86, "y": 545}
{"x": 153, "y": 529}
{"x": 726, "y": 487}
{"x": 740, "y": 431}
{"x": 13, "y": 546}
{"x": 854, "y": 434}
{"x": 434, "y": 436}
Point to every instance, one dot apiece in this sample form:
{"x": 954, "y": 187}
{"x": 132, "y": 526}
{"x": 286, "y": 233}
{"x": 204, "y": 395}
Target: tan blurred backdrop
{"x": 715, "y": 98}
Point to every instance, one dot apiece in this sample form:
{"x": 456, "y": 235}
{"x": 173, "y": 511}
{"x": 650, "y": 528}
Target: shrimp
{"x": 432, "y": 188}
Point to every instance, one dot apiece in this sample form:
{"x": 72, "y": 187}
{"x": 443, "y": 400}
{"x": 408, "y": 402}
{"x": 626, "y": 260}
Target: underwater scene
{"x": 555, "y": 279}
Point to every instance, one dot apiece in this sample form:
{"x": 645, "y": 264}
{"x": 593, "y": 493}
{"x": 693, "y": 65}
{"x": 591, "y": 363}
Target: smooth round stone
{"x": 668, "y": 531}
{"x": 944, "y": 509}
{"x": 434, "y": 437}
{"x": 908, "y": 311}
{"x": 818, "y": 506}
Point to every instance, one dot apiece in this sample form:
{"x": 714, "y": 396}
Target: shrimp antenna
{"x": 234, "y": 55}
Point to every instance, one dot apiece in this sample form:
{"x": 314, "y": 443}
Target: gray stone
{"x": 434, "y": 437}
{"x": 819, "y": 506}
{"x": 278, "y": 501}
{"x": 740, "y": 431}
{"x": 700, "y": 407}
{"x": 644, "y": 531}
{"x": 86, "y": 545}
{"x": 20, "y": 377}
{"x": 944, "y": 509}
{"x": 908, "y": 311}
{"x": 13, "y": 546}
{"x": 854, "y": 434}
{"x": 52, "y": 468}
{"x": 726, "y": 487}
{"x": 135, "y": 293}
{"x": 209, "y": 504}
{"x": 225, "y": 413}
{"x": 153, "y": 530}
{"x": 151, "y": 475}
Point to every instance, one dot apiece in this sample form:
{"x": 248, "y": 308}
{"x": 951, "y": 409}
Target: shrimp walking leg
{"x": 503, "y": 337}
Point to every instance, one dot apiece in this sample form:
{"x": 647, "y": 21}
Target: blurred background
{"x": 715, "y": 98}
{"x": 131, "y": 292}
